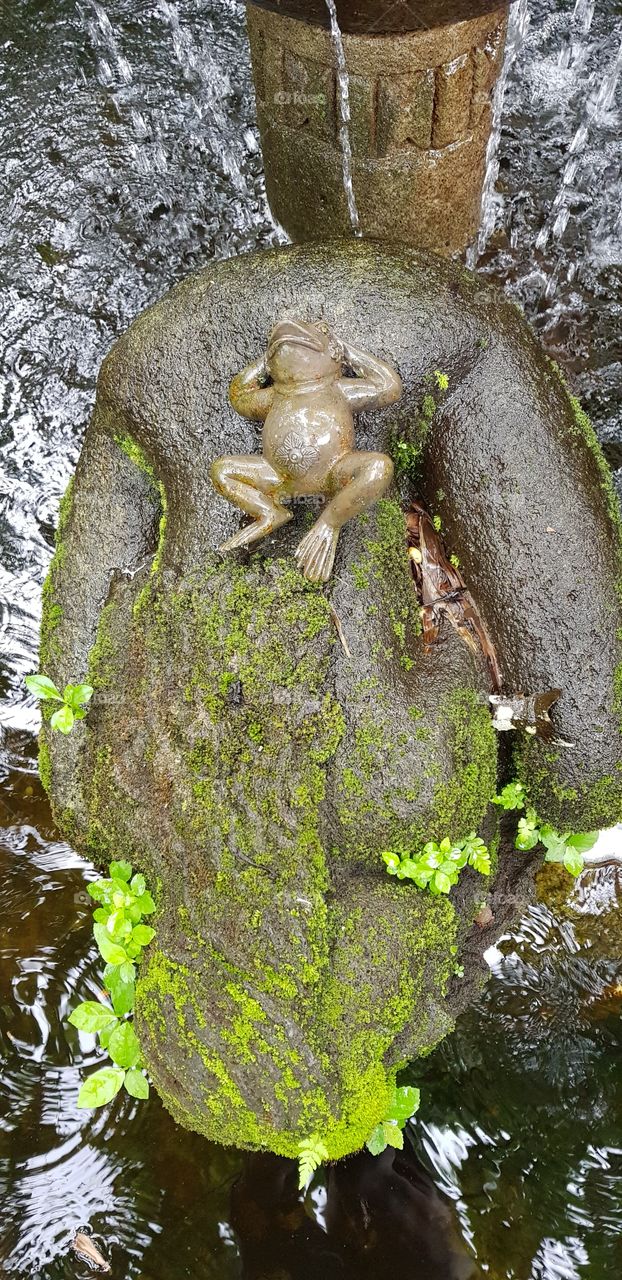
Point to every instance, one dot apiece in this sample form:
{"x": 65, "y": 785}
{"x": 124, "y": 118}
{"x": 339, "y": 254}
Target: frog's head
{"x": 301, "y": 352}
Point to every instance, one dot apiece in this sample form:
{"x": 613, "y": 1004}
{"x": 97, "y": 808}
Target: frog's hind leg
{"x": 250, "y": 483}
{"x": 357, "y": 480}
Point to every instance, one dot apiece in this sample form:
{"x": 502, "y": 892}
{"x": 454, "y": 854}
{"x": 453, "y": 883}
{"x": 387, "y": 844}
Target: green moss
{"x": 593, "y": 804}
{"x": 157, "y": 559}
{"x": 45, "y": 765}
{"x": 385, "y": 561}
{"x": 460, "y": 803}
{"x": 101, "y": 672}
{"x": 136, "y": 454}
{"x": 240, "y": 997}
{"x": 407, "y": 436}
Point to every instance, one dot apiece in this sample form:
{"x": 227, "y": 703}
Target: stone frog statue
{"x": 298, "y": 389}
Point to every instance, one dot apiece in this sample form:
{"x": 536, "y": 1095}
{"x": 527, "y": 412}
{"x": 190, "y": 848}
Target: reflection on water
{"x": 523, "y": 1113}
{"x": 131, "y": 158}
{"x": 515, "y": 1169}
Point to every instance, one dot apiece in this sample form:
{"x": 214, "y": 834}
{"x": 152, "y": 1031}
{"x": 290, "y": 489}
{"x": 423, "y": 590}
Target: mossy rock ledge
{"x": 250, "y": 767}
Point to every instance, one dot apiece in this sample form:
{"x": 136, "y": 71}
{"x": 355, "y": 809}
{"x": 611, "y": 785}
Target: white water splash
{"x": 518, "y": 25}
{"x": 600, "y": 99}
{"x": 343, "y": 101}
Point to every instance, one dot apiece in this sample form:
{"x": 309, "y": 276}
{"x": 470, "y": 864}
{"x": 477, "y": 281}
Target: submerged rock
{"x": 254, "y": 766}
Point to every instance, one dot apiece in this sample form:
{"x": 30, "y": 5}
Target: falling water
{"x": 598, "y": 103}
{"x": 343, "y": 98}
{"x": 99, "y": 223}
{"x": 517, "y": 29}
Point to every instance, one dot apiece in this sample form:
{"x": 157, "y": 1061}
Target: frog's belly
{"x": 306, "y": 457}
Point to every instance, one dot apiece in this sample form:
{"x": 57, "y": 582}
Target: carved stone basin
{"x": 420, "y": 97}
{"x": 255, "y": 742}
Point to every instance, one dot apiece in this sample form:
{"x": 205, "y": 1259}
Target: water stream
{"x": 343, "y": 99}
{"x": 130, "y": 158}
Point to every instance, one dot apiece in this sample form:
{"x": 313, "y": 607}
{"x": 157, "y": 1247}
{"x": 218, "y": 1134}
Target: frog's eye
{"x": 322, "y": 326}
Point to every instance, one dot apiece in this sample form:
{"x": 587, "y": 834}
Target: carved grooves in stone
{"x": 425, "y": 109}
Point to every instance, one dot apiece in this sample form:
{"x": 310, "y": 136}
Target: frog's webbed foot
{"x": 316, "y": 553}
{"x": 258, "y": 529}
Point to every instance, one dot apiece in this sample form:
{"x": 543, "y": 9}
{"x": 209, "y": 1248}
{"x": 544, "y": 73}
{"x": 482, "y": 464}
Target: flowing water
{"x": 343, "y": 98}
{"x": 130, "y": 157}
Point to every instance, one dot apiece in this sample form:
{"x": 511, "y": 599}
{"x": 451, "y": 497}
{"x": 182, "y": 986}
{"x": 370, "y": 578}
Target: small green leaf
{"x": 127, "y": 971}
{"x": 480, "y": 860}
{"x": 142, "y": 934}
{"x": 527, "y": 835}
{"x": 110, "y": 951}
{"x": 42, "y": 687}
{"x": 77, "y": 694}
{"x": 311, "y": 1154}
{"x": 377, "y": 1143}
{"x": 63, "y": 719}
{"x": 393, "y": 1135}
{"x": 554, "y": 844}
{"x": 441, "y": 882}
{"x": 573, "y": 861}
{"x": 101, "y": 1087}
{"x": 422, "y": 877}
{"x": 123, "y": 1046}
{"x": 92, "y": 1017}
{"x": 122, "y": 990}
{"x": 118, "y": 926}
{"x": 583, "y": 840}
{"x": 430, "y": 859}
{"x": 120, "y": 871}
{"x": 391, "y": 861}
{"x": 146, "y": 904}
{"x": 100, "y": 890}
{"x": 511, "y": 797}
{"x": 406, "y": 869}
{"x": 404, "y": 1104}
{"x": 104, "y": 1036}
{"x": 136, "y": 1083}
{"x": 137, "y": 885}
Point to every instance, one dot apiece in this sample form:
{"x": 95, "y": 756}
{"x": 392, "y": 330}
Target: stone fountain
{"x": 257, "y": 739}
{"x": 406, "y": 89}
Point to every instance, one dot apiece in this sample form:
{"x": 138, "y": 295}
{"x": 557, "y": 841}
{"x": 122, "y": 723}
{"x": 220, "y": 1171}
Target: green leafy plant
{"x": 406, "y": 449}
{"x": 389, "y": 1133}
{"x": 121, "y": 935}
{"x": 512, "y": 797}
{"x": 311, "y": 1154}
{"x": 438, "y": 866}
{"x": 72, "y": 700}
{"x": 405, "y": 457}
{"x": 566, "y": 848}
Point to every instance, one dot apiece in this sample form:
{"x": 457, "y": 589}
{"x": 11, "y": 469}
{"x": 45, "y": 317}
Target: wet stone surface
{"x": 118, "y": 186}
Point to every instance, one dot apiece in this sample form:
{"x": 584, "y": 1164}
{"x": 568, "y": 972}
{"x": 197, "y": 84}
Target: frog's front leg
{"x": 357, "y": 480}
{"x": 251, "y": 483}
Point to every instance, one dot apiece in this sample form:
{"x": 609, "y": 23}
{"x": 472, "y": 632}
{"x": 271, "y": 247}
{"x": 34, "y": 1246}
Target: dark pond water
{"x": 129, "y": 157}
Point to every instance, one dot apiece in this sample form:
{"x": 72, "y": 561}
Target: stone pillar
{"x": 421, "y": 113}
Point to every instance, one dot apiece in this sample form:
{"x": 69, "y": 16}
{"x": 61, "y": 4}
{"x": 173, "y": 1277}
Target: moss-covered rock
{"x": 255, "y": 742}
